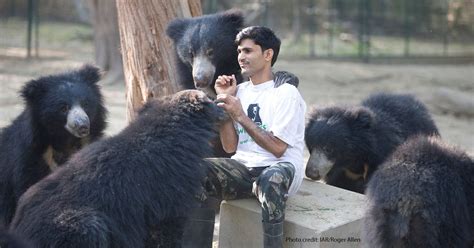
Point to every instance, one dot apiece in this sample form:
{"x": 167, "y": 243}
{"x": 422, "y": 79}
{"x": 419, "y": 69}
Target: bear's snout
{"x": 78, "y": 123}
{"x": 82, "y": 128}
{"x": 201, "y": 81}
{"x": 203, "y": 72}
{"x": 318, "y": 165}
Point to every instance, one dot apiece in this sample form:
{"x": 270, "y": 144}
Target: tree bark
{"x": 148, "y": 55}
{"x": 106, "y": 39}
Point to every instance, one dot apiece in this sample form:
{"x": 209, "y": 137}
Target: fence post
{"x": 33, "y": 17}
{"x": 361, "y": 29}
{"x": 36, "y": 21}
{"x": 312, "y": 29}
{"x": 29, "y": 29}
{"x": 364, "y": 29}
{"x": 266, "y": 18}
{"x": 331, "y": 19}
{"x": 12, "y": 9}
{"x": 368, "y": 4}
{"x": 446, "y": 28}
{"x": 407, "y": 28}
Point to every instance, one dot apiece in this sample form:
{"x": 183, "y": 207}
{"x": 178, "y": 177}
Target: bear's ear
{"x": 32, "y": 90}
{"x": 361, "y": 117}
{"x": 234, "y": 17}
{"x": 176, "y": 29}
{"x": 90, "y": 74}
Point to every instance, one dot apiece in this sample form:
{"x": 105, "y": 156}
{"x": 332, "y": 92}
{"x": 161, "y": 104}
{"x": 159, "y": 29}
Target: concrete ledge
{"x": 319, "y": 215}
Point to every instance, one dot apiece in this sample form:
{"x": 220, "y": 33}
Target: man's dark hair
{"x": 262, "y": 36}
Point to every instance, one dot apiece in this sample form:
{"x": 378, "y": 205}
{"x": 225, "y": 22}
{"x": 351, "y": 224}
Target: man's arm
{"x": 227, "y": 85}
{"x": 264, "y": 139}
{"x": 226, "y": 90}
{"x": 228, "y": 136}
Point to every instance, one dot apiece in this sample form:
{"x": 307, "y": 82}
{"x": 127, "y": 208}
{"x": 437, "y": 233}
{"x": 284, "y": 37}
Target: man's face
{"x": 251, "y": 58}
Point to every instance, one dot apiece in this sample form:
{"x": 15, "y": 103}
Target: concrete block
{"x": 319, "y": 215}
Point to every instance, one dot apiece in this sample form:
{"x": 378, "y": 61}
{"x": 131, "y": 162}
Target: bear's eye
{"x": 64, "y": 108}
{"x": 210, "y": 52}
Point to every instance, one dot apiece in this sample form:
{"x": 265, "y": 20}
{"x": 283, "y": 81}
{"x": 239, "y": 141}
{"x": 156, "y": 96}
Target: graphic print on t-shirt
{"x": 253, "y": 112}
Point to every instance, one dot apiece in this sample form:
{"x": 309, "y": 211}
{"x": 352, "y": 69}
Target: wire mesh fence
{"x": 365, "y": 29}
{"x": 356, "y": 29}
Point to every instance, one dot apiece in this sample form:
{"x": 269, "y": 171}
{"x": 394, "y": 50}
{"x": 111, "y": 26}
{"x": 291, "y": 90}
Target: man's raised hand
{"x": 226, "y": 85}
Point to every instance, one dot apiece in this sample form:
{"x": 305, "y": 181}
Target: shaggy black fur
{"x": 209, "y": 38}
{"x": 39, "y": 139}
{"x": 353, "y": 141}
{"x": 11, "y": 241}
{"x": 116, "y": 192}
{"x": 422, "y": 196}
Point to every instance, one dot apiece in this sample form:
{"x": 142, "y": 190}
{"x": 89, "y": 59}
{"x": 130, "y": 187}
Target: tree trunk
{"x": 148, "y": 55}
{"x": 106, "y": 39}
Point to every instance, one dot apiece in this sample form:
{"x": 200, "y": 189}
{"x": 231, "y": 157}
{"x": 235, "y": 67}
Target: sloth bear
{"x": 422, "y": 196}
{"x": 63, "y": 113}
{"x": 118, "y": 191}
{"x": 346, "y": 144}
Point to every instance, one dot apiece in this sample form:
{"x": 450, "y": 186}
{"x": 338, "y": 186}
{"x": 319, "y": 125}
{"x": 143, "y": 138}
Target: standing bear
{"x": 346, "y": 144}
{"x": 63, "y": 113}
{"x": 205, "y": 49}
{"x": 118, "y": 191}
{"x": 422, "y": 196}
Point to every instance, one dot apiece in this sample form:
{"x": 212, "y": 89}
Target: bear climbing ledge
{"x": 319, "y": 215}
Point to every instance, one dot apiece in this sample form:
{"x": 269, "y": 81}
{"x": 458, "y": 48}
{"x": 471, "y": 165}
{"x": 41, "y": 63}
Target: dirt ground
{"x": 321, "y": 83}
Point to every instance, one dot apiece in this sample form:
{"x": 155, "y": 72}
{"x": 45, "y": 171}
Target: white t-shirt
{"x": 279, "y": 110}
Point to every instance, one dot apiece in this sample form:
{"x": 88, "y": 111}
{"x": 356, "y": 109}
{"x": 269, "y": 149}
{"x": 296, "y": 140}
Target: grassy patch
{"x": 52, "y": 35}
{"x": 348, "y": 45}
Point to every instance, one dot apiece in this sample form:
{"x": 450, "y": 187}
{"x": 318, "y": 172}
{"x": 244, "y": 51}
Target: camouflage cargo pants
{"x": 229, "y": 179}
